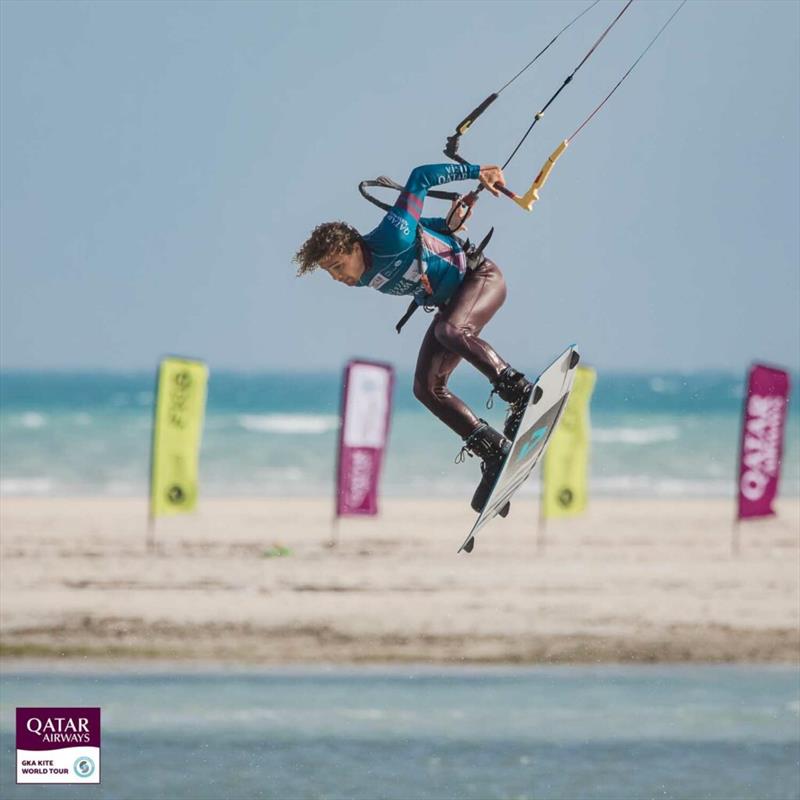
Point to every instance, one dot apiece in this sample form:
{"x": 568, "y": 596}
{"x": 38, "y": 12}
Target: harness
{"x": 472, "y": 252}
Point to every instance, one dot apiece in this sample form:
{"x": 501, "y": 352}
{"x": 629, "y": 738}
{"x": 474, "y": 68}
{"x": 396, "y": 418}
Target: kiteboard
{"x": 545, "y": 406}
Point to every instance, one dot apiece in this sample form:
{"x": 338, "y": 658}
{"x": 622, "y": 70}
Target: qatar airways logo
{"x": 58, "y": 745}
{"x": 453, "y": 172}
{"x": 762, "y": 444}
{"x": 60, "y": 730}
{"x": 399, "y": 223}
{"x": 414, "y": 272}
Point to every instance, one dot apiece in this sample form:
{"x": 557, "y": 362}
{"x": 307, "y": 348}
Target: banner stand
{"x": 763, "y": 425}
{"x": 151, "y": 534}
{"x": 333, "y": 542}
{"x": 541, "y": 526}
{"x": 364, "y": 419}
{"x": 764, "y": 416}
{"x": 736, "y": 538}
{"x": 565, "y": 466}
{"x": 178, "y": 414}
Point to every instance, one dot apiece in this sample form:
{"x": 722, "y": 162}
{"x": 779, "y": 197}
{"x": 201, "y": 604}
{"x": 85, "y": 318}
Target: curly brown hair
{"x": 326, "y": 239}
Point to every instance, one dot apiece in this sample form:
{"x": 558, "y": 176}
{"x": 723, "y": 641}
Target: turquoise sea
{"x": 415, "y": 733}
{"x": 660, "y": 434}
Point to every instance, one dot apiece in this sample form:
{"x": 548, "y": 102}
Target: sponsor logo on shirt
{"x": 378, "y": 281}
{"x": 453, "y": 172}
{"x": 399, "y": 223}
{"x": 413, "y": 273}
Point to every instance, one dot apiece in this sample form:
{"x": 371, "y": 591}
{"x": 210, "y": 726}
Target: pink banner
{"x": 761, "y": 449}
{"x": 364, "y": 431}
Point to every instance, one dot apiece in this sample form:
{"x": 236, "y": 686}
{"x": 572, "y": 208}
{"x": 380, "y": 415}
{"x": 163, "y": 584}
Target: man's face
{"x": 346, "y": 268}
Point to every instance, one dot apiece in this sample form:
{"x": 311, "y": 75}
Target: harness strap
{"x": 407, "y": 316}
{"x": 387, "y": 183}
{"x": 474, "y": 254}
{"x": 475, "y": 258}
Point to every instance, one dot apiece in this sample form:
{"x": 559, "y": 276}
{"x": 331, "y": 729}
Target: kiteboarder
{"x": 408, "y": 254}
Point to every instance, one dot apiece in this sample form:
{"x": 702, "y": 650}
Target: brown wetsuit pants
{"x": 453, "y": 335}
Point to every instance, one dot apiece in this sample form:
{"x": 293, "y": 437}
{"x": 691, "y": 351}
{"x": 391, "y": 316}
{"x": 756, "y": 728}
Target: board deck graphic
{"x": 538, "y": 423}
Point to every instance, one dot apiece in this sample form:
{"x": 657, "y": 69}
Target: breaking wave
{"x": 32, "y": 420}
{"x": 26, "y": 487}
{"x": 289, "y": 423}
{"x": 636, "y": 436}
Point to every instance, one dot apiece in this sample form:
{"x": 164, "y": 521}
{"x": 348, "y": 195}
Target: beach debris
{"x": 276, "y": 551}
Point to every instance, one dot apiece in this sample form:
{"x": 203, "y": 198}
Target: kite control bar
{"x": 529, "y": 198}
{"x": 532, "y": 195}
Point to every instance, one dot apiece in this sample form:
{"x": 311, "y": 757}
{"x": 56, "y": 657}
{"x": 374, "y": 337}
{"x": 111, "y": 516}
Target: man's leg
{"x": 457, "y": 327}
{"x": 435, "y": 364}
{"x": 478, "y": 298}
{"x": 451, "y": 336}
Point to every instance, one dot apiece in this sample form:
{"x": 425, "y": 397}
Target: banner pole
{"x": 151, "y": 533}
{"x": 540, "y": 539}
{"x": 540, "y": 528}
{"x": 150, "y": 543}
{"x": 334, "y": 539}
{"x": 736, "y": 538}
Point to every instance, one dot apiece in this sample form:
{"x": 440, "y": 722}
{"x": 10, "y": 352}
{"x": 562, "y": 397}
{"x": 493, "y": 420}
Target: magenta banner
{"x": 364, "y": 430}
{"x": 761, "y": 448}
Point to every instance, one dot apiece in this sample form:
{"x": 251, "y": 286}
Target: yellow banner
{"x": 566, "y": 461}
{"x": 177, "y": 428}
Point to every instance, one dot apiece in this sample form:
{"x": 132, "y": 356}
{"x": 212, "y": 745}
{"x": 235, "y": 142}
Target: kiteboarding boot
{"x": 513, "y": 387}
{"x": 492, "y": 448}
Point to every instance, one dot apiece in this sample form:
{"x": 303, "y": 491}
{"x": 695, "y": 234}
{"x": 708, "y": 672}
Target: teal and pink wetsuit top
{"x": 408, "y": 254}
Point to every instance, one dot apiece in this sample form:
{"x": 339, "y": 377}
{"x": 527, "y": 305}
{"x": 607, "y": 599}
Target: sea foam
{"x": 25, "y": 486}
{"x": 289, "y": 423}
{"x": 636, "y": 436}
{"x": 32, "y": 420}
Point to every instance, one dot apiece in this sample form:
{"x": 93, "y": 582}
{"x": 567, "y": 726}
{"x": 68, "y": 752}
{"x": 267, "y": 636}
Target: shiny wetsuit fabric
{"x": 407, "y": 246}
{"x": 453, "y": 335}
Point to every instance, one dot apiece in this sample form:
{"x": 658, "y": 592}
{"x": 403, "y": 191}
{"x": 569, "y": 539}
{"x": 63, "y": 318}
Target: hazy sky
{"x": 161, "y": 162}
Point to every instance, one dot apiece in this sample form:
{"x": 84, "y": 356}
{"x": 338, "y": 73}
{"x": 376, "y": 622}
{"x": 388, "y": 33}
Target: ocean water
{"x": 410, "y": 733}
{"x": 274, "y": 434}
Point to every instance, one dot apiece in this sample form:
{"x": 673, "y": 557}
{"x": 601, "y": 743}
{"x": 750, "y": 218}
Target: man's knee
{"x": 451, "y": 336}
{"x": 422, "y": 391}
{"x": 430, "y": 392}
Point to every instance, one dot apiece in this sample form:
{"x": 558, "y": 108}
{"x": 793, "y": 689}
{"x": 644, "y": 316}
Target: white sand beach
{"x": 631, "y": 581}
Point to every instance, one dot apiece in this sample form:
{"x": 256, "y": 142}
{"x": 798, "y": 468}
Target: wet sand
{"x": 630, "y": 581}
